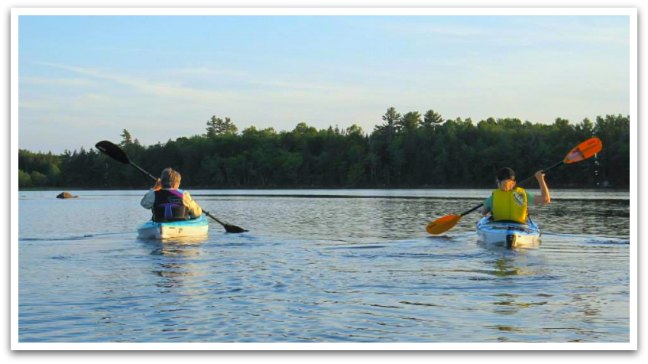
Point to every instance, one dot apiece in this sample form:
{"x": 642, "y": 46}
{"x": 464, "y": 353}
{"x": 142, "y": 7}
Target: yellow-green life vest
{"x": 510, "y": 205}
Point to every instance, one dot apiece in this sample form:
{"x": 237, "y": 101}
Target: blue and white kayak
{"x": 508, "y": 234}
{"x": 193, "y": 228}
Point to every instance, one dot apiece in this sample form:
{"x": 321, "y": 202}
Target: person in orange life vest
{"x": 509, "y": 202}
{"x": 168, "y": 202}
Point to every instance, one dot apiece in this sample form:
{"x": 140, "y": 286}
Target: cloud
{"x": 277, "y": 87}
{"x": 158, "y": 89}
{"x": 159, "y": 108}
{"x": 58, "y": 82}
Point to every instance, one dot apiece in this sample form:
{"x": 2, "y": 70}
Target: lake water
{"x": 327, "y": 266}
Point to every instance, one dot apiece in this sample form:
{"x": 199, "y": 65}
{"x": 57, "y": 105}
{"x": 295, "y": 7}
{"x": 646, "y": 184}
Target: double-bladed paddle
{"x": 116, "y": 153}
{"x": 582, "y": 151}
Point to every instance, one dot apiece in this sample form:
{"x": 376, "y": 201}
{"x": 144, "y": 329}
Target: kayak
{"x": 174, "y": 229}
{"x": 508, "y": 234}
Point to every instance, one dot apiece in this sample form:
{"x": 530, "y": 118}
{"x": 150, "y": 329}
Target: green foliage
{"x": 38, "y": 169}
{"x": 217, "y": 126}
{"x": 409, "y": 122}
{"x": 126, "y": 138}
{"x": 404, "y": 151}
{"x": 432, "y": 118}
{"x": 24, "y": 179}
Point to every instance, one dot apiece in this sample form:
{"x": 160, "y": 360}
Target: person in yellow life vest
{"x": 510, "y": 202}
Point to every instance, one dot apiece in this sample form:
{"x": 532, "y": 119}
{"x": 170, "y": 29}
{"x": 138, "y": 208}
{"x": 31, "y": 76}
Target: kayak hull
{"x": 194, "y": 228}
{"x": 508, "y": 234}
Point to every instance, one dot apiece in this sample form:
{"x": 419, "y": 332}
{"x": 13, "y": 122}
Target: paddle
{"x": 116, "y": 153}
{"x": 582, "y": 151}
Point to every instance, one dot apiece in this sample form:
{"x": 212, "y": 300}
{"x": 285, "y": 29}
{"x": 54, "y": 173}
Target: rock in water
{"x": 66, "y": 195}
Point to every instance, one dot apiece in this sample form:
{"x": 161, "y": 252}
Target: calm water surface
{"x": 321, "y": 266}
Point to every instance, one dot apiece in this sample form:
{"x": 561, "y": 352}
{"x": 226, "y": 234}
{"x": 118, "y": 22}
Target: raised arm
{"x": 545, "y": 197}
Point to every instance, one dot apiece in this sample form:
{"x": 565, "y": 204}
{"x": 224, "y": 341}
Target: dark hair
{"x": 505, "y": 173}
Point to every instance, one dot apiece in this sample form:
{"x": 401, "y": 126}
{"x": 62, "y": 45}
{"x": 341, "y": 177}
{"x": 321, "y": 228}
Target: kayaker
{"x": 168, "y": 202}
{"x": 510, "y": 202}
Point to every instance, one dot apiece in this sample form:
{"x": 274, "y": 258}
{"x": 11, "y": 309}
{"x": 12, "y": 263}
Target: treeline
{"x": 405, "y": 151}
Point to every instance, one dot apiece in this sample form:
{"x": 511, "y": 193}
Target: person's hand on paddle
{"x": 539, "y": 175}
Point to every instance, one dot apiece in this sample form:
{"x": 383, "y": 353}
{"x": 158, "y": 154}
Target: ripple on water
{"x": 322, "y": 270}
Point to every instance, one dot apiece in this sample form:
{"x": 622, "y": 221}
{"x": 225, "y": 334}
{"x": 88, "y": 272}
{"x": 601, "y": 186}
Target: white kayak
{"x": 193, "y": 228}
{"x": 508, "y": 234}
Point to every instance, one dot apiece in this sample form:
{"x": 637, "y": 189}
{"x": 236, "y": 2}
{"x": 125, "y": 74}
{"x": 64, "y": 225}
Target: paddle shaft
{"x": 471, "y": 210}
{"x": 543, "y": 171}
{"x": 215, "y": 219}
{"x": 142, "y": 170}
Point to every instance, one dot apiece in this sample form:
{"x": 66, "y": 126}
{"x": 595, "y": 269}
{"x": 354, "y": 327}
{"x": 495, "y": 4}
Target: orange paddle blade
{"x": 584, "y": 150}
{"x": 442, "y": 224}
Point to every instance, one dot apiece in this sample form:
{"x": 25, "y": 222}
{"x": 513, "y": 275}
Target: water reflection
{"x": 179, "y": 280}
{"x": 505, "y": 267}
{"x": 176, "y": 261}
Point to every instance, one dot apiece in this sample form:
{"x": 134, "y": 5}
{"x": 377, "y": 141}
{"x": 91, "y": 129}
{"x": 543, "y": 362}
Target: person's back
{"x": 510, "y": 205}
{"x": 509, "y": 202}
{"x": 168, "y": 205}
{"x": 168, "y": 202}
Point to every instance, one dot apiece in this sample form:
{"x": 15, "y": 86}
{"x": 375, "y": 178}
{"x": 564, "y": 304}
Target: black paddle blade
{"x": 112, "y": 151}
{"x": 233, "y": 228}
{"x": 228, "y": 227}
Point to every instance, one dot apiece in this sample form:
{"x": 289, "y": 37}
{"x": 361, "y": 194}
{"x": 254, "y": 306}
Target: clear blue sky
{"x": 86, "y": 78}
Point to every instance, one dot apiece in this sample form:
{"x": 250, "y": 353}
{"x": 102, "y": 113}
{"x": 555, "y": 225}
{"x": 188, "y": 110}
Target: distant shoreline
{"x": 457, "y": 194}
{"x": 318, "y": 188}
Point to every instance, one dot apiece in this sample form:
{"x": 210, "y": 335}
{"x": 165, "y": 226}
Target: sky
{"x": 87, "y": 78}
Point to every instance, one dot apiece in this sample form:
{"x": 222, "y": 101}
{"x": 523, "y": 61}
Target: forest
{"x": 404, "y": 151}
